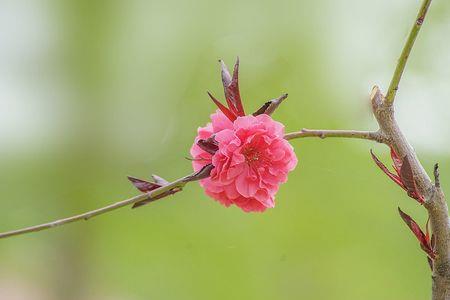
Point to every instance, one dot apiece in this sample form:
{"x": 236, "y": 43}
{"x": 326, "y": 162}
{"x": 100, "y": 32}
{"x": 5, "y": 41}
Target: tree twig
{"x": 369, "y": 135}
{"x": 179, "y": 183}
{"x": 322, "y": 133}
{"x": 401, "y": 63}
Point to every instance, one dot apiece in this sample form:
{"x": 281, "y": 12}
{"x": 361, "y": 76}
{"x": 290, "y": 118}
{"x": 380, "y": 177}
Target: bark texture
{"x": 434, "y": 197}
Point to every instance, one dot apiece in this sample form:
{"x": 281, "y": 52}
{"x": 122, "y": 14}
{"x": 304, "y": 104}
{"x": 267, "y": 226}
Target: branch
{"x": 180, "y": 183}
{"x": 401, "y": 63}
{"x": 150, "y": 196}
{"x": 367, "y": 135}
{"x": 435, "y": 202}
{"x": 434, "y": 197}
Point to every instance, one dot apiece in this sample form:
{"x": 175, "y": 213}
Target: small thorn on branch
{"x": 376, "y": 97}
{"x": 437, "y": 182}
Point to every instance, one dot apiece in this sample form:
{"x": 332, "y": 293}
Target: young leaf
{"x": 386, "y": 171}
{"x": 143, "y": 185}
{"x": 270, "y": 106}
{"x": 209, "y": 145}
{"x": 159, "y": 180}
{"x": 146, "y": 187}
{"x": 226, "y": 77}
{"x": 407, "y": 177}
{"x": 397, "y": 161}
{"x": 262, "y": 109}
{"x": 226, "y": 81}
{"x": 421, "y": 237}
{"x": 229, "y": 114}
{"x": 232, "y": 93}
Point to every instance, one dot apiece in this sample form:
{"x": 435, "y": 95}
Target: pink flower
{"x": 251, "y": 161}
{"x": 249, "y": 155}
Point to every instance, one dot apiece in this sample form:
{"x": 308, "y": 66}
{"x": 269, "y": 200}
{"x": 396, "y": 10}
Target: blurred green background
{"x": 92, "y": 91}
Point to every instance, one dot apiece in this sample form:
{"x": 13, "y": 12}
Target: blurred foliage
{"x": 119, "y": 89}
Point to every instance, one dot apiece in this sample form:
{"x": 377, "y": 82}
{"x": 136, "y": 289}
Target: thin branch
{"x": 401, "y": 63}
{"x": 179, "y": 183}
{"x": 356, "y": 134}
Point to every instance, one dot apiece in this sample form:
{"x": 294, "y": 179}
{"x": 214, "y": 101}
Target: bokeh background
{"x": 92, "y": 91}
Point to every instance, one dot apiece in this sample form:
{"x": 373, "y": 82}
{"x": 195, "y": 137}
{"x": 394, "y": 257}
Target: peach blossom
{"x": 251, "y": 161}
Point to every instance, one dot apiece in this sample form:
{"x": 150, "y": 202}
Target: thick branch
{"x": 435, "y": 200}
{"x": 401, "y": 63}
{"x": 356, "y": 134}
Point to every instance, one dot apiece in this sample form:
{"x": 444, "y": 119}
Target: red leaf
{"x": 209, "y": 145}
{"x": 262, "y": 109}
{"x": 146, "y": 187}
{"x": 407, "y": 177}
{"x": 226, "y": 77}
{"x": 397, "y": 161}
{"x": 232, "y": 93}
{"x": 142, "y": 185}
{"x": 421, "y": 237}
{"x": 229, "y": 114}
{"x": 270, "y": 106}
{"x": 383, "y": 168}
{"x": 226, "y": 81}
{"x": 159, "y": 180}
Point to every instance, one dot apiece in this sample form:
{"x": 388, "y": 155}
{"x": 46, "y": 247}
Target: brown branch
{"x": 389, "y": 133}
{"x": 153, "y": 195}
{"x": 435, "y": 200}
{"x": 179, "y": 183}
{"x": 356, "y": 134}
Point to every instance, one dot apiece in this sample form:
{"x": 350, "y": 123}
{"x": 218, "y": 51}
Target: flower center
{"x": 251, "y": 154}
